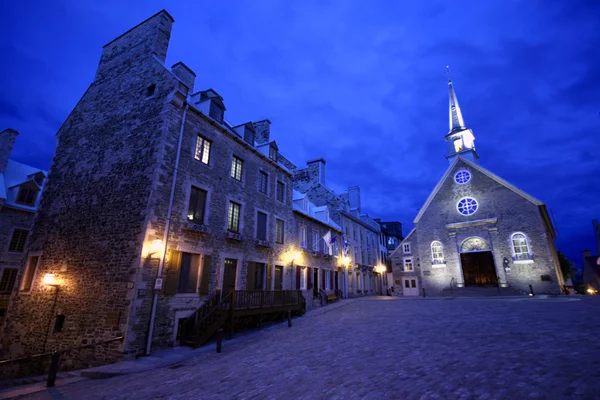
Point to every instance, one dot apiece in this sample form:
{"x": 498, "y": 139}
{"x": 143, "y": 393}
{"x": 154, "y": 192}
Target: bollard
{"x": 289, "y": 318}
{"x": 219, "y": 339}
{"x": 531, "y": 293}
{"x": 53, "y": 369}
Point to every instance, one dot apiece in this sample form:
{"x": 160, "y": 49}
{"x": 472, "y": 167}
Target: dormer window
{"x": 216, "y": 112}
{"x": 27, "y": 196}
{"x": 273, "y": 153}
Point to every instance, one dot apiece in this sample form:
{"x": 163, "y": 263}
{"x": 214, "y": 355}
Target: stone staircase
{"x": 485, "y": 291}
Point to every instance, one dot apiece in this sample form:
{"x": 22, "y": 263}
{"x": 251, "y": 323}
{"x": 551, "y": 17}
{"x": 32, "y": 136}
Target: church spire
{"x": 456, "y": 119}
{"x": 461, "y": 141}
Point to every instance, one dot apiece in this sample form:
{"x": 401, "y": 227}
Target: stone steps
{"x": 482, "y": 292}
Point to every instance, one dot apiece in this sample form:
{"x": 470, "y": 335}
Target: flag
{"x": 328, "y": 241}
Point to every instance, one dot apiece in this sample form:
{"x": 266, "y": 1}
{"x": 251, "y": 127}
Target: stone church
{"x": 476, "y": 233}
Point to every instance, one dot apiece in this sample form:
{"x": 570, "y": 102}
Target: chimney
{"x": 185, "y": 74}
{"x": 263, "y": 131}
{"x": 7, "y": 141}
{"x": 586, "y": 253}
{"x": 148, "y": 37}
{"x": 354, "y": 197}
{"x": 316, "y": 170}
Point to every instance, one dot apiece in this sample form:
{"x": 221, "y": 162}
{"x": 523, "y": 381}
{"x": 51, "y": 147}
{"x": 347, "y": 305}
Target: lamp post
{"x": 50, "y": 280}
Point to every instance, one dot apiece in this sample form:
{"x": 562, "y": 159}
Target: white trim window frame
{"x": 408, "y": 264}
{"x": 520, "y": 248}
{"x": 302, "y": 237}
{"x": 316, "y": 238}
{"x": 437, "y": 254}
{"x": 406, "y": 248}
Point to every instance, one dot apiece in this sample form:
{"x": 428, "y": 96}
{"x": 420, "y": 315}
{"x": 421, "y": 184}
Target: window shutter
{"x": 172, "y": 277}
{"x": 206, "y": 270}
{"x": 309, "y": 284}
{"x": 331, "y": 280}
{"x": 297, "y": 277}
{"x": 250, "y": 276}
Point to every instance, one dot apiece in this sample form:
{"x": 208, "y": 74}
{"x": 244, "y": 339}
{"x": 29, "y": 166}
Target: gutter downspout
{"x": 161, "y": 265}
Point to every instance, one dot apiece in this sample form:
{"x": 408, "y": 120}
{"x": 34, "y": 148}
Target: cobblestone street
{"x": 383, "y": 348}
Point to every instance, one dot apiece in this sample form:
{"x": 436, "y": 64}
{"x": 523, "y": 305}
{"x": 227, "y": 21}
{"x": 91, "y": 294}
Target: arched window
{"x": 520, "y": 247}
{"x": 437, "y": 253}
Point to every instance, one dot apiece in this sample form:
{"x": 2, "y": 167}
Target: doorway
{"x": 278, "y": 277}
{"x": 229, "y": 275}
{"x": 478, "y": 268}
{"x": 315, "y": 282}
{"x": 410, "y": 287}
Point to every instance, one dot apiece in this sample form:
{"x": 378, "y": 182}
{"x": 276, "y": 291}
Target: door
{"x": 315, "y": 282}
{"x": 410, "y": 287}
{"x": 478, "y": 268}
{"x": 229, "y": 275}
{"x": 278, "y": 277}
{"x": 335, "y": 279}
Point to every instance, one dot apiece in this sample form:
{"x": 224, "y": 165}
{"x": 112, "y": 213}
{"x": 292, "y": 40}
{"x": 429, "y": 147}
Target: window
{"x": 263, "y": 182}
{"x": 197, "y": 205}
{"x": 203, "y": 150}
{"x": 280, "y": 191}
{"x": 215, "y": 112}
{"x": 236, "y": 168}
{"x": 273, "y": 153}
{"x": 18, "y": 240}
{"x": 408, "y": 264}
{"x": 437, "y": 254}
{"x": 520, "y": 247}
{"x": 233, "y": 218}
{"x": 406, "y": 248}
{"x": 303, "y": 237}
{"x": 9, "y": 276}
{"x": 32, "y": 265}
{"x": 279, "y": 229}
{"x": 188, "y": 273}
{"x": 27, "y": 196}
{"x": 303, "y": 273}
{"x": 462, "y": 177}
{"x": 467, "y": 206}
{"x": 150, "y": 90}
{"x": 315, "y": 243}
{"x": 255, "y": 276}
{"x": 59, "y": 323}
{"x": 261, "y": 226}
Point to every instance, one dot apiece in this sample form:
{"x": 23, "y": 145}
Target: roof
{"x": 312, "y": 210}
{"x": 16, "y": 174}
{"x": 483, "y": 171}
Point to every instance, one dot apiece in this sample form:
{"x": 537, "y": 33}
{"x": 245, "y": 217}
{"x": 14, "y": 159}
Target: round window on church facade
{"x": 467, "y": 206}
{"x": 462, "y": 177}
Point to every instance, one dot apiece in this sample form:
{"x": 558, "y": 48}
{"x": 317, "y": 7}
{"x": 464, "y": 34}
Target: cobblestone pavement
{"x": 392, "y": 349}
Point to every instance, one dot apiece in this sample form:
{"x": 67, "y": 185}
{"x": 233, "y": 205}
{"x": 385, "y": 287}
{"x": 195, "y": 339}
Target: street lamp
{"x": 50, "y": 280}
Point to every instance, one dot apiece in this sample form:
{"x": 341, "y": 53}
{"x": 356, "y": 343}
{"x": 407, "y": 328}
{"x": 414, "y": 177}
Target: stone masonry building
{"x": 360, "y": 233}
{"x": 154, "y": 202}
{"x": 20, "y": 189}
{"x": 476, "y": 230}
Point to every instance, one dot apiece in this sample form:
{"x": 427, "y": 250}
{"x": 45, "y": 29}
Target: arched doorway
{"x": 477, "y": 263}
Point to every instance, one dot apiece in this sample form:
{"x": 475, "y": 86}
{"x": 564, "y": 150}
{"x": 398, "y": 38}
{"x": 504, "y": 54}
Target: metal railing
{"x": 55, "y": 358}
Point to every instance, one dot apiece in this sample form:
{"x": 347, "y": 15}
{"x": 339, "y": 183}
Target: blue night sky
{"x": 359, "y": 83}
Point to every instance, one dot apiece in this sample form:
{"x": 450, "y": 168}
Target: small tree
{"x": 566, "y": 266}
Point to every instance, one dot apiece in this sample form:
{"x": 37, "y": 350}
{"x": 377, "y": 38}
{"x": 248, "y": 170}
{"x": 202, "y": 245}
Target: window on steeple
{"x": 458, "y": 144}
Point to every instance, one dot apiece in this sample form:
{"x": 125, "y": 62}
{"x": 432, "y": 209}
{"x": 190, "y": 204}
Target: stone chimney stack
{"x": 316, "y": 169}
{"x": 7, "y": 141}
{"x": 354, "y": 197}
{"x": 185, "y": 74}
{"x": 263, "y": 131}
{"x": 140, "y": 42}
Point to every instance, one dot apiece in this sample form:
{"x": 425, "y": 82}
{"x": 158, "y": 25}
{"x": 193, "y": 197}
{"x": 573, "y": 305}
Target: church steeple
{"x": 461, "y": 140}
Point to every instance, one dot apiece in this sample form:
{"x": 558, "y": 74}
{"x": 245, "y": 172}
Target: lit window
{"x": 437, "y": 254}
{"x": 408, "y": 264}
{"x": 236, "y": 168}
{"x": 197, "y": 205}
{"x": 263, "y": 180}
{"x": 303, "y": 273}
{"x": 520, "y": 247}
{"x": 462, "y": 177}
{"x": 467, "y": 206}
{"x": 18, "y": 240}
{"x": 202, "y": 150}
{"x": 233, "y": 218}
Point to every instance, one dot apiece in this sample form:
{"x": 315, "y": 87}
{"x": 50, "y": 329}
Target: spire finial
{"x": 448, "y": 73}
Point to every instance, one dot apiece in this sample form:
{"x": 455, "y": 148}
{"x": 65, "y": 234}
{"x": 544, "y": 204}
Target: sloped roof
{"x": 483, "y": 171}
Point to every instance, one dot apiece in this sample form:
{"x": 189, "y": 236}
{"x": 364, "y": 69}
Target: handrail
{"x": 323, "y": 297}
{"x": 118, "y": 338}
